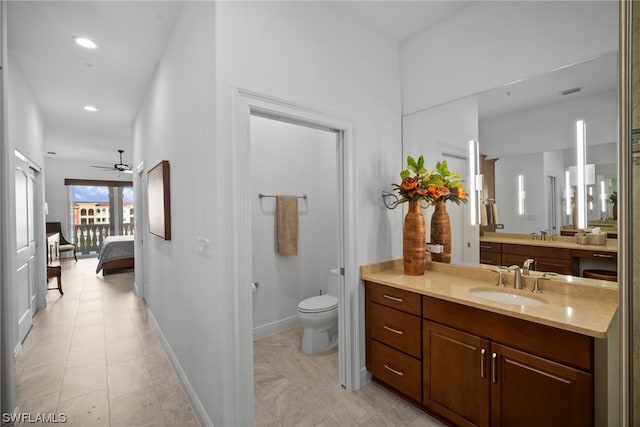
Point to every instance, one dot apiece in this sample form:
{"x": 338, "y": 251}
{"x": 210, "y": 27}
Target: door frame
{"x": 245, "y": 103}
{"x": 140, "y": 218}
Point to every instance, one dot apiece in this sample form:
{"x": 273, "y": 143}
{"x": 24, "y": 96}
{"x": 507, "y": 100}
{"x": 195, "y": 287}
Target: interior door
{"x": 24, "y": 279}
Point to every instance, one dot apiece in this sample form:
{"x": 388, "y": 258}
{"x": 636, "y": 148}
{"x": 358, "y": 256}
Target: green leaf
{"x": 411, "y": 163}
{"x": 420, "y": 163}
{"x": 405, "y": 174}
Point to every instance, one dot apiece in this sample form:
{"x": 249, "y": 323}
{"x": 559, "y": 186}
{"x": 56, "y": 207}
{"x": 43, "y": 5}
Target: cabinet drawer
{"x": 600, "y": 255}
{"x": 399, "y": 299}
{"x": 395, "y": 328}
{"x": 402, "y": 372}
{"x": 491, "y": 258}
{"x": 490, "y": 247}
{"x": 536, "y": 251}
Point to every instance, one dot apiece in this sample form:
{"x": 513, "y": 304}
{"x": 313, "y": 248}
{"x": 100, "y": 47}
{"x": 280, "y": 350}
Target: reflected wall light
{"x": 521, "y": 195}
{"x": 567, "y": 192}
{"x": 580, "y": 162}
{"x": 603, "y": 198}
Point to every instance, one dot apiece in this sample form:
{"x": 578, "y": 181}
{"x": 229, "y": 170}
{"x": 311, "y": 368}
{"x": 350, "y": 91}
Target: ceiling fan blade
{"x": 107, "y": 168}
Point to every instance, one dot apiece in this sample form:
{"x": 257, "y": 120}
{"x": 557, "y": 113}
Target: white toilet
{"x": 319, "y": 316}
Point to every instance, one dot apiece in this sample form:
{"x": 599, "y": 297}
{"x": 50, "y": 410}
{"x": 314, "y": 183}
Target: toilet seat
{"x": 318, "y": 304}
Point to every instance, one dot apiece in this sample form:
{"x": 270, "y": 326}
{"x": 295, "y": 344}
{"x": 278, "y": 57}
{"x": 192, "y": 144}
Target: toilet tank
{"x": 333, "y": 281}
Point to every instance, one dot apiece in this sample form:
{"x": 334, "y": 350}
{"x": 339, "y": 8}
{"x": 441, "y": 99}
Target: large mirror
{"x": 528, "y": 128}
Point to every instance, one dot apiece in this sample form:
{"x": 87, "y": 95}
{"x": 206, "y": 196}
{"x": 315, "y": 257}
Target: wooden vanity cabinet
{"x": 490, "y": 253}
{"x": 478, "y": 368}
{"x": 485, "y": 369}
{"x": 394, "y": 338}
{"x": 557, "y": 260}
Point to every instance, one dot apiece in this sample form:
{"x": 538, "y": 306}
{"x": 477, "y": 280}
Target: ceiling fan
{"x": 118, "y": 167}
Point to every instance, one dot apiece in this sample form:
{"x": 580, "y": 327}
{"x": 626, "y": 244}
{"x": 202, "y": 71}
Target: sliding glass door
{"x": 98, "y": 209}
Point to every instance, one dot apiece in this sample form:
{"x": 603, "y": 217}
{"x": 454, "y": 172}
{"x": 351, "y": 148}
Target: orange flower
{"x": 409, "y": 184}
{"x": 462, "y": 195}
{"x": 434, "y": 191}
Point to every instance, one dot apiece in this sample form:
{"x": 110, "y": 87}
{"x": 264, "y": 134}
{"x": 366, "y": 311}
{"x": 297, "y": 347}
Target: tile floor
{"x": 92, "y": 355}
{"x": 293, "y": 389}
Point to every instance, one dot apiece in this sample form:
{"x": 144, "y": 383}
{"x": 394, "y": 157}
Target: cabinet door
{"x": 553, "y": 265}
{"x": 529, "y": 391}
{"x": 456, "y": 375}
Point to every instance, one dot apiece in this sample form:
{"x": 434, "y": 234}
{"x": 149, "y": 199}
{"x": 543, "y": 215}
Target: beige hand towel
{"x": 287, "y": 225}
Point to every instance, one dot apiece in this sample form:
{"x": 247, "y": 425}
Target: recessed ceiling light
{"x": 89, "y": 65}
{"x": 90, "y": 108}
{"x": 85, "y": 42}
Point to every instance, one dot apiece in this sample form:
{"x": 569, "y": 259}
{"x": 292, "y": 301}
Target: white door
{"x": 457, "y": 213}
{"x": 24, "y": 281}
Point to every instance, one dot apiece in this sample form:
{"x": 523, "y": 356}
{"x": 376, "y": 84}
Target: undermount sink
{"x": 506, "y": 297}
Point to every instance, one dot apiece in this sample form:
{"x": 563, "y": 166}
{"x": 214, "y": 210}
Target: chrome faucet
{"x": 527, "y": 265}
{"x": 517, "y": 276}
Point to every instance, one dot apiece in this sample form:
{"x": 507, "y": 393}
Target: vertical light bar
{"x": 521, "y": 195}
{"x": 590, "y": 198}
{"x": 473, "y": 194}
{"x": 580, "y": 161}
{"x": 603, "y": 198}
{"x": 567, "y": 191}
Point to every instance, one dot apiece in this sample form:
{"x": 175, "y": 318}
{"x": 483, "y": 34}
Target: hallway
{"x": 93, "y": 356}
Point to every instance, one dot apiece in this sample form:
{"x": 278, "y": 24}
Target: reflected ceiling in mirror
{"x": 539, "y": 113}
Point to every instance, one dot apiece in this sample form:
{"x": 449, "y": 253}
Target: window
{"x": 99, "y": 209}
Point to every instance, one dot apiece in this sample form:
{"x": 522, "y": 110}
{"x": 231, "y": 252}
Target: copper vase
{"x": 414, "y": 241}
{"x": 441, "y": 232}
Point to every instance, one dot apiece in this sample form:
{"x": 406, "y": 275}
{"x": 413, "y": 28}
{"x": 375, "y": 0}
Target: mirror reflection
{"x": 528, "y": 135}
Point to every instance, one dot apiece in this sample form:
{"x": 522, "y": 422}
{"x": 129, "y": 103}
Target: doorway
{"x": 250, "y": 103}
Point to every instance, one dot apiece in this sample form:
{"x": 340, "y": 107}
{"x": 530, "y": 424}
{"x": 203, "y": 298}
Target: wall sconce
{"x": 580, "y": 162}
{"x": 521, "y": 195}
{"x": 568, "y": 194}
{"x": 477, "y": 182}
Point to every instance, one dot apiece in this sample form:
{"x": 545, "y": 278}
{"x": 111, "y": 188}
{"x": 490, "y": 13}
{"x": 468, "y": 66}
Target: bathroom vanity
{"x": 562, "y": 255}
{"x": 457, "y": 345}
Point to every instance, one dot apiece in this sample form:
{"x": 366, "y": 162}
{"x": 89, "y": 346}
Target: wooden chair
{"x": 64, "y": 246}
{"x": 55, "y": 271}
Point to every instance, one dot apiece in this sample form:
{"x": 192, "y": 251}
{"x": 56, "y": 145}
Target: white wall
{"x": 291, "y": 159}
{"x": 311, "y": 54}
{"x": 551, "y": 127}
{"x": 531, "y": 167}
{"x": 22, "y": 127}
{"x": 187, "y": 293}
{"x": 435, "y": 133}
{"x": 490, "y": 43}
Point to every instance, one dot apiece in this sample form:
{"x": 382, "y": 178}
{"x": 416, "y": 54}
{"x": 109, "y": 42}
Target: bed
{"x": 116, "y": 253}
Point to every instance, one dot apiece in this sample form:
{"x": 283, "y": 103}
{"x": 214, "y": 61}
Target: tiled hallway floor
{"x": 92, "y": 355}
{"x": 293, "y": 389}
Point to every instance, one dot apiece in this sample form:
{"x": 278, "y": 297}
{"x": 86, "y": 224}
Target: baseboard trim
{"x": 197, "y": 406}
{"x": 273, "y": 328}
{"x": 365, "y": 376}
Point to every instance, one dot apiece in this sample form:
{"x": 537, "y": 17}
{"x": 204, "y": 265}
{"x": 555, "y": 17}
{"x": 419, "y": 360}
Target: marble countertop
{"x": 565, "y": 242}
{"x": 584, "y": 306}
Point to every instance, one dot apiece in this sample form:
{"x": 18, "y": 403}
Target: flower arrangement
{"x": 434, "y": 186}
{"x": 613, "y": 197}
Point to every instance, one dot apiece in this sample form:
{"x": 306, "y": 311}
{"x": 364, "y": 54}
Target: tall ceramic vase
{"x": 414, "y": 241}
{"x": 441, "y": 232}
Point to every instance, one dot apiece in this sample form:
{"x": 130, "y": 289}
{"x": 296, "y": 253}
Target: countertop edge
{"x": 384, "y": 273}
